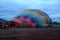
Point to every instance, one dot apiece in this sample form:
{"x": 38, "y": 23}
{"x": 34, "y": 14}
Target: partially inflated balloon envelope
{"x": 32, "y": 18}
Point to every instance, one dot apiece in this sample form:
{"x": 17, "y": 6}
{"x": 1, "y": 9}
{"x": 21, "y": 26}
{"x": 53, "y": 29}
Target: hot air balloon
{"x": 33, "y": 18}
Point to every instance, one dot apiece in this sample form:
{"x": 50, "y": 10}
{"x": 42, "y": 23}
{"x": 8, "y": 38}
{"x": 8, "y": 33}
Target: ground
{"x": 30, "y": 34}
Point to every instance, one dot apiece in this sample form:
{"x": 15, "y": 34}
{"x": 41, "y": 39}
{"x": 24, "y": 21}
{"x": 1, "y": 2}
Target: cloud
{"x": 14, "y": 6}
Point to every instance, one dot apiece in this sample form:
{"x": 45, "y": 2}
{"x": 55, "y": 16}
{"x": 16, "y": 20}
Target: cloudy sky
{"x": 10, "y": 8}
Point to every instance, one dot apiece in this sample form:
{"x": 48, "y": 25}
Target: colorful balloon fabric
{"x": 32, "y": 18}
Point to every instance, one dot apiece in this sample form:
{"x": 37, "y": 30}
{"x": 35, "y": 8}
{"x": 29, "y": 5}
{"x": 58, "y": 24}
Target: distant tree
{"x": 55, "y": 22}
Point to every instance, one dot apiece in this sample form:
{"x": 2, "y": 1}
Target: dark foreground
{"x": 30, "y": 34}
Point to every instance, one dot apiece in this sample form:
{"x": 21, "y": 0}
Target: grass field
{"x": 30, "y": 34}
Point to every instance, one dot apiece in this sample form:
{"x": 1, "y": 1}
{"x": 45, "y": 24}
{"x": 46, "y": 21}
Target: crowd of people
{"x": 9, "y": 24}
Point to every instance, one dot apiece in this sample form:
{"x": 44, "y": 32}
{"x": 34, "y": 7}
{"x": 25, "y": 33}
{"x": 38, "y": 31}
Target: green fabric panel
{"x": 24, "y": 25}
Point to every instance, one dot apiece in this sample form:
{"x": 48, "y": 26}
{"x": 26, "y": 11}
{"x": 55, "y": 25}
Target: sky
{"x": 11, "y": 8}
